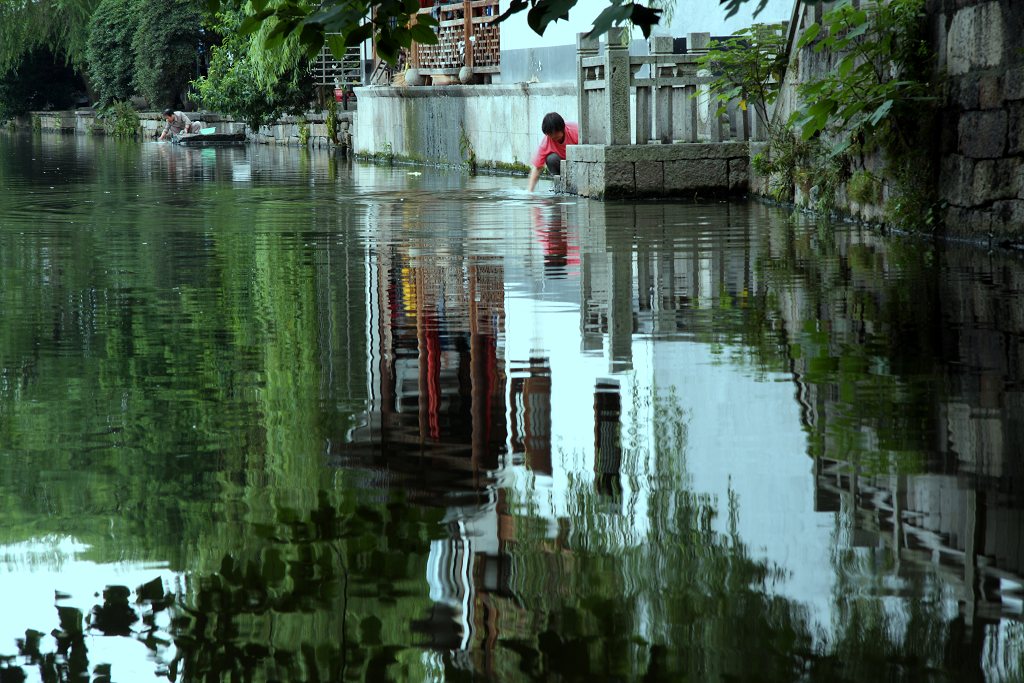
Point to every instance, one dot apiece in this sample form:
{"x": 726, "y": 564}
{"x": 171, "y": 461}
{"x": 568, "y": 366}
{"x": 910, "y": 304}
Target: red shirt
{"x": 572, "y": 137}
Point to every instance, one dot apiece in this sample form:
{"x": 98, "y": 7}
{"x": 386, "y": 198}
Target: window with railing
{"x": 329, "y": 71}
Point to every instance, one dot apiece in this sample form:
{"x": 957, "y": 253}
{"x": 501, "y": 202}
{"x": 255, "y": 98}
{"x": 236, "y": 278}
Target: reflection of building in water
{"x": 644, "y": 272}
{"x": 530, "y": 419}
{"x": 464, "y": 417}
{"x": 973, "y": 537}
{"x": 438, "y": 377}
{"x": 437, "y": 426}
{"x": 467, "y": 572}
{"x": 607, "y": 438}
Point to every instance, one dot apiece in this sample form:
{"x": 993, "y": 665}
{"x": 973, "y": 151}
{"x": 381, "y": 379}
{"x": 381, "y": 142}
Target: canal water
{"x": 266, "y": 415}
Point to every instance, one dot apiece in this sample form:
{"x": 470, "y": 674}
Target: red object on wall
{"x": 338, "y": 94}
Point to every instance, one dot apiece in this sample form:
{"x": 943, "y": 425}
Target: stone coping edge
{"x": 204, "y": 116}
{"x": 674, "y": 152}
{"x": 543, "y": 89}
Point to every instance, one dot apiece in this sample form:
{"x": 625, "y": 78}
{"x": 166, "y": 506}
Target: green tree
{"x": 61, "y": 26}
{"x": 880, "y": 94}
{"x": 882, "y": 57}
{"x": 389, "y": 23}
{"x": 109, "y": 52}
{"x": 249, "y": 84}
{"x": 748, "y": 66}
{"x": 165, "y": 46}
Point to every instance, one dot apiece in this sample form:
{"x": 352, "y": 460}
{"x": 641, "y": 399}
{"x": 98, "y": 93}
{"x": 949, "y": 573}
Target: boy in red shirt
{"x": 557, "y": 134}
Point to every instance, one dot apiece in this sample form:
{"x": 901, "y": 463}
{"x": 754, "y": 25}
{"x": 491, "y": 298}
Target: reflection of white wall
{"x": 31, "y": 571}
{"x": 744, "y": 432}
{"x": 690, "y": 16}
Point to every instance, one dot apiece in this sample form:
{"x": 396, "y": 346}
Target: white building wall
{"x": 690, "y": 16}
{"x": 528, "y": 57}
{"x": 500, "y": 124}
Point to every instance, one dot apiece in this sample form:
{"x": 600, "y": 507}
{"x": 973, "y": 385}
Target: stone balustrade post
{"x": 705, "y": 105}
{"x": 586, "y": 47}
{"x": 661, "y": 46}
{"x": 617, "y": 76}
{"x": 698, "y": 42}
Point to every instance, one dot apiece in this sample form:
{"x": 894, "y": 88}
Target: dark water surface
{"x": 267, "y": 416}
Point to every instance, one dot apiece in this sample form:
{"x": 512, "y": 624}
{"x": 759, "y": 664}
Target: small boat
{"x": 209, "y": 139}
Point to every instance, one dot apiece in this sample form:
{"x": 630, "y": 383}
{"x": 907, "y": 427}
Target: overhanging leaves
{"x": 620, "y": 13}
{"x": 395, "y": 20}
{"x": 543, "y": 13}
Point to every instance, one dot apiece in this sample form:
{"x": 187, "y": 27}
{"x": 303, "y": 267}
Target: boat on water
{"x": 209, "y": 139}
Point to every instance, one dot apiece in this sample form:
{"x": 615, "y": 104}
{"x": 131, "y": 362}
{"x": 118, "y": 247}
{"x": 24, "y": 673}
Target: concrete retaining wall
{"x": 498, "y": 124}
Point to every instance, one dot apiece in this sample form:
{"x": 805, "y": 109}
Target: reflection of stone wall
{"x": 974, "y": 329}
{"x": 983, "y": 328}
{"x": 938, "y": 469}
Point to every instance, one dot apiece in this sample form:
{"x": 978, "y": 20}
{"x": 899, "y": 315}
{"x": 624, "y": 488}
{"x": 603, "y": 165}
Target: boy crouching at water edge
{"x": 178, "y": 123}
{"x": 557, "y": 134}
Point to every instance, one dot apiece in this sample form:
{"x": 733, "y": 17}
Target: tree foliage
{"x": 109, "y": 51}
{"x": 396, "y": 24}
{"x": 245, "y": 82}
{"x": 881, "y": 55}
{"x": 61, "y": 26}
{"x": 166, "y": 46}
{"x": 748, "y": 66}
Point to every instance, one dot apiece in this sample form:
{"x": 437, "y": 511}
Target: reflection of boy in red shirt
{"x": 557, "y": 134}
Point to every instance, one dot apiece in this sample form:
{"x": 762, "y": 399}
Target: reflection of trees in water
{"x": 68, "y": 659}
{"x": 332, "y": 594}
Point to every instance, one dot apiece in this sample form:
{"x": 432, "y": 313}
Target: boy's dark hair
{"x": 552, "y": 123}
{"x": 168, "y": 112}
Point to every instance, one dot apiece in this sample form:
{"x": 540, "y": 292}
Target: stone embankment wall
{"x": 687, "y": 170}
{"x": 286, "y": 131}
{"x": 495, "y": 126}
{"x": 980, "y": 62}
{"x": 980, "y": 49}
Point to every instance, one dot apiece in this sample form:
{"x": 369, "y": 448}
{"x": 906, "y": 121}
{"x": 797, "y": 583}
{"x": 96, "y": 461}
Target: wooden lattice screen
{"x": 467, "y": 36}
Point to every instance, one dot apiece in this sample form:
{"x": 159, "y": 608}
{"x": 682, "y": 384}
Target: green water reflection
{"x": 268, "y": 416}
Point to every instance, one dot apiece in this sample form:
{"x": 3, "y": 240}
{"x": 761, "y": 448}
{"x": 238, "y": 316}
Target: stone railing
{"x": 664, "y": 93}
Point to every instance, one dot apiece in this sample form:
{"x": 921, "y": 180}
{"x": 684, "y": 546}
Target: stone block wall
{"x": 684, "y": 170}
{"x": 979, "y": 47}
{"x": 979, "y": 56}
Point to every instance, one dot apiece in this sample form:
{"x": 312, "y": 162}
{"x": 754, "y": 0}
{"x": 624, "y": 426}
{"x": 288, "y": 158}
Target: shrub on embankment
{"x": 250, "y": 85}
{"x": 859, "y": 134}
